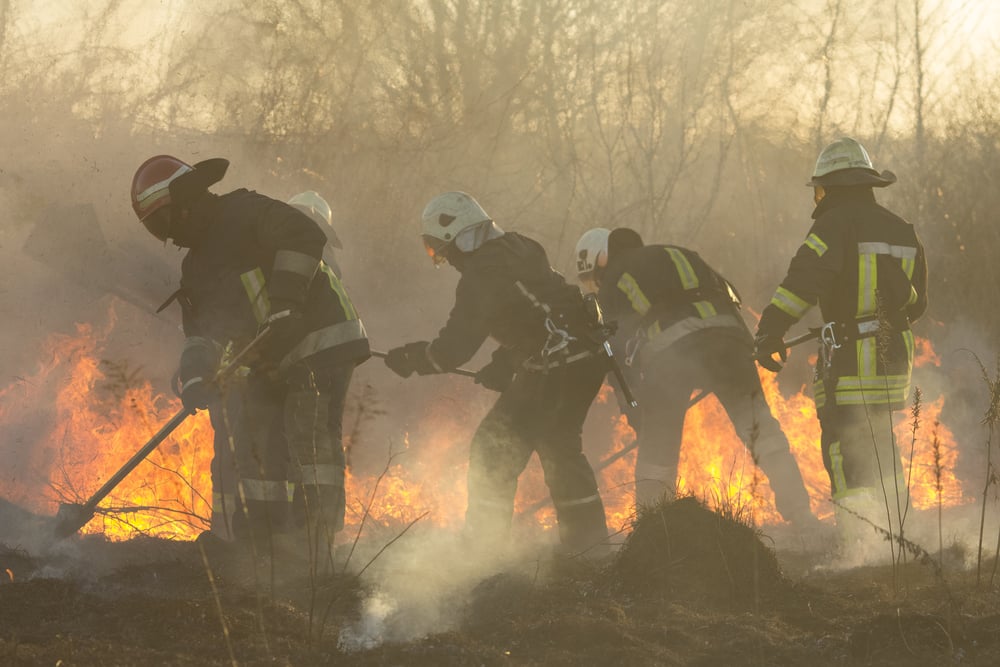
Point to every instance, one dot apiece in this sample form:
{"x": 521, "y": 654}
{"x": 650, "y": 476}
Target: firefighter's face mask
{"x": 436, "y": 249}
{"x": 157, "y": 223}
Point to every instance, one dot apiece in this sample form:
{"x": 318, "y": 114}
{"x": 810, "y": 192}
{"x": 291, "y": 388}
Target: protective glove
{"x": 765, "y": 347}
{"x": 196, "y": 394}
{"x": 499, "y": 373}
{"x": 409, "y": 359}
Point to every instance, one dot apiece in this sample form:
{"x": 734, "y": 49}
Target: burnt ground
{"x": 688, "y": 587}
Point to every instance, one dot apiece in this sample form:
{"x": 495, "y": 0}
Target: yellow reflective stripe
{"x": 689, "y": 280}
{"x": 819, "y": 393}
{"x": 872, "y": 382}
{"x": 908, "y": 264}
{"x": 790, "y": 302}
{"x": 866, "y": 356}
{"x": 253, "y": 283}
{"x": 913, "y": 296}
{"x": 654, "y": 329}
{"x": 837, "y": 468}
{"x": 816, "y": 243}
{"x": 872, "y": 390}
{"x": 338, "y": 287}
{"x": 867, "y": 282}
{"x": 908, "y": 341}
{"x": 705, "y": 309}
{"x": 630, "y": 288}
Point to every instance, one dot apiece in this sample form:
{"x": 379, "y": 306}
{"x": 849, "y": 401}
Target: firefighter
{"x": 253, "y": 264}
{"x": 225, "y": 410}
{"x": 679, "y": 330}
{"x": 545, "y": 368}
{"x": 865, "y": 267}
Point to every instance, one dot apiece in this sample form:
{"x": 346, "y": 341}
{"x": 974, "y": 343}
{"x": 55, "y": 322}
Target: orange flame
{"x": 99, "y": 424}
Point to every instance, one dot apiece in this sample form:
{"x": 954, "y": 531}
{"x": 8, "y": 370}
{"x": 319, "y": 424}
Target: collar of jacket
{"x": 203, "y": 213}
{"x": 839, "y": 196}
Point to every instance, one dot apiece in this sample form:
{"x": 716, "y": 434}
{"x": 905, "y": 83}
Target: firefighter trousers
{"x": 539, "y": 412}
{"x": 867, "y": 483}
{"x": 720, "y": 362}
{"x": 289, "y": 437}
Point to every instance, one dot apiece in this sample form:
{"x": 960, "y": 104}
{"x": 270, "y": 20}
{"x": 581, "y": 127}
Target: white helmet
{"x": 455, "y": 218}
{"x": 846, "y": 162}
{"x": 313, "y": 205}
{"x": 591, "y": 255}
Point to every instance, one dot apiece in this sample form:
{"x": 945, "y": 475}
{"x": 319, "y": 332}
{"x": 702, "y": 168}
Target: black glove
{"x": 196, "y": 394}
{"x": 409, "y": 359}
{"x": 765, "y": 347}
{"x": 499, "y": 373}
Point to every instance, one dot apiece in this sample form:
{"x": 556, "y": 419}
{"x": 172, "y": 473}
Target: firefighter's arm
{"x": 811, "y": 274}
{"x": 297, "y": 242}
{"x": 467, "y": 327}
{"x": 813, "y": 271}
{"x": 918, "y": 299}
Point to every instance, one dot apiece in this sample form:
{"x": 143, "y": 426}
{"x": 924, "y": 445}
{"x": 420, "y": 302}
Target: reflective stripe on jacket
{"x": 255, "y": 256}
{"x": 664, "y": 293}
{"x": 859, "y": 262}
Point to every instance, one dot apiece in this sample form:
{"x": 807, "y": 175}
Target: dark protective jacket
{"x": 865, "y": 266}
{"x": 659, "y": 294}
{"x": 490, "y": 303}
{"x": 254, "y": 255}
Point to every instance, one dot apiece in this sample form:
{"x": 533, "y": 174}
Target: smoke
{"x": 422, "y": 585}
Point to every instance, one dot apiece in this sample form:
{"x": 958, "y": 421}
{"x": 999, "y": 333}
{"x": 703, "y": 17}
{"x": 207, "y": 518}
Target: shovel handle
{"x": 77, "y": 516}
{"x": 464, "y": 372}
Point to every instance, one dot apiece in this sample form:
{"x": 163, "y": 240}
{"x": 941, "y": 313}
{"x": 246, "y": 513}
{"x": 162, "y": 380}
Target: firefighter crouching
{"x": 680, "y": 329}
{"x": 545, "y": 368}
{"x": 865, "y": 267}
{"x": 264, "y": 405}
{"x": 254, "y": 262}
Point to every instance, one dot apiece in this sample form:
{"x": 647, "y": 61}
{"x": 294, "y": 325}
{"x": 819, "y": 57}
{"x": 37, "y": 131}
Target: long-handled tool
{"x": 464, "y": 372}
{"x": 71, "y": 517}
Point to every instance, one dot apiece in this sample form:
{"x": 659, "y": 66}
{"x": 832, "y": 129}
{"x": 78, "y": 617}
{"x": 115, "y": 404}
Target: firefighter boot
{"x": 583, "y": 529}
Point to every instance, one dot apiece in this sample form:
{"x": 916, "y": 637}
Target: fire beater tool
{"x": 607, "y": 461}
{"x": 71, "y": 517}
{"x": 464, "y": 372}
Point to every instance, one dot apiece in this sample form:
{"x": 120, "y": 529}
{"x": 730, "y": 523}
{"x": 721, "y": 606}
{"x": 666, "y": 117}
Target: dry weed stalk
{"x": 938, "y": 487}
{"x": 990, "y": 418}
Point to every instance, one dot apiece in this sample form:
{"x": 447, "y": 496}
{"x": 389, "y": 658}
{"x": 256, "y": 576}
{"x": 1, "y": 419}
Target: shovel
{"x": 71, "y": 517}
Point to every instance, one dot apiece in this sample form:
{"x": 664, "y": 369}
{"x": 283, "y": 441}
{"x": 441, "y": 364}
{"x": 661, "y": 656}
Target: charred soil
{"x": 689, "y": 587}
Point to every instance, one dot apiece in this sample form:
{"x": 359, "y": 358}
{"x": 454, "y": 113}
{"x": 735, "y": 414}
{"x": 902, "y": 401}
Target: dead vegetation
{"x": 685, "y": 601}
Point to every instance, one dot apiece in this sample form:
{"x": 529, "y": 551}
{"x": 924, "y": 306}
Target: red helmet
{"x": 151, "y": 183}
